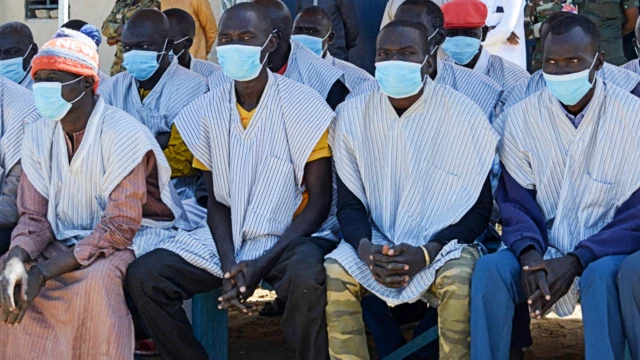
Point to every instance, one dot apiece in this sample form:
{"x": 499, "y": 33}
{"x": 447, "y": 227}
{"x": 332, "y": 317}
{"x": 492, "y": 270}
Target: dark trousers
{"x": 161, "y": 280}
{"x": 5, "y": 239}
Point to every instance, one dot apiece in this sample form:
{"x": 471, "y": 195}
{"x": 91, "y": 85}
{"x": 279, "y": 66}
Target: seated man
{"x": 312, "y": 28}
{"x": 16, "y": 110}
{"x": 634, "y": 65}
{"x": 95, "y": 192}
{"x": 413, "y": 191}
{"x": 264, "y": 139}
{"x": 17, "y": 48}
{"x": 570, "y": 200}
{"x": 294, "y": 61}
{"x": 182, "y": 29}
{"x": 484, "y": 91}
{"x": 154, "y": 90}
{"x": 624, "y": 79}
{"x": 464, "y": 24}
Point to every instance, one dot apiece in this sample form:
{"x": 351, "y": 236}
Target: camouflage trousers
{"x": 450, "y": 290}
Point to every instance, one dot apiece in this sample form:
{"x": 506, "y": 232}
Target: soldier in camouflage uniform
{"x": 537, "y": 11}
{"x": 114, "y": 23}
{"x": 614, "y": 18}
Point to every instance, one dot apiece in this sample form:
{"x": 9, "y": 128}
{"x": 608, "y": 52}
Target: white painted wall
{"x": 91, "y": 11}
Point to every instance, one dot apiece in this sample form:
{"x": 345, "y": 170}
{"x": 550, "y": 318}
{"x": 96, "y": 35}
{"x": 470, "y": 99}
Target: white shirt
{"x": 511, "y": 20}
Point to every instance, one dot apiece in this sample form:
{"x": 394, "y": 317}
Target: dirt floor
{"x": 255, "y": 337}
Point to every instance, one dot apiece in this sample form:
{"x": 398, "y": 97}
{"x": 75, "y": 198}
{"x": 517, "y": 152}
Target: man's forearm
{"x": 59, "y": 265}
{"x": 219, "y": 221}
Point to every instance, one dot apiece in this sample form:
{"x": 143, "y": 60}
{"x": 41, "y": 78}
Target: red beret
{"x": 464, "y": 14}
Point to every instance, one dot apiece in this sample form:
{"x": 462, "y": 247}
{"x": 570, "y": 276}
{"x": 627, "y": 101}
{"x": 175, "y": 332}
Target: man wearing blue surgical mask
{"x": 294, "y": 61}
{"x": 262, "y": 141}
{"x": 154, "y": 90}
{"x": 571, "y": 190}
{"x": 483, "y": 90}
{"x": 182, "y": 29}
{"x": 409, "y": 220}
{"x": 313, "y": 29}
{"x": 464, "y": 24}
{"x": 17, "y": 49}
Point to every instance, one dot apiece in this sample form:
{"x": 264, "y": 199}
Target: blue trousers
{"x": 497, "y": 289}
{"x": 629, "y": 285}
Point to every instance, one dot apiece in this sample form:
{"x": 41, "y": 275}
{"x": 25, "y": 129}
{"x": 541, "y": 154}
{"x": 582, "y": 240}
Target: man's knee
{"x": 499, "y": 268}
{"x": 455, "y": 275}
{"x": 141, "y": 272}
{"x": 629, "y": 275}
{"x": 600, "y": 273}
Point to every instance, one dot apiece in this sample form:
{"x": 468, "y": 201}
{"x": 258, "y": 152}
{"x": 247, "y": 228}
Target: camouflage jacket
{"x": 536, "y": 12}
{"x": 122, "y": 11}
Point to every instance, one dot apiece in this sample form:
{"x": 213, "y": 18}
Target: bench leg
{"x": 210, "y": 324}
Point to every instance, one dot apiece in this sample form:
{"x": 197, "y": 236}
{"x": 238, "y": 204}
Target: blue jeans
{"x": 629, "y": 285}
{"x": 497, "y": 289}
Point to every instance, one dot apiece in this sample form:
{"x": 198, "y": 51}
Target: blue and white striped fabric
{"x": 258, "y": 171}
{"x": 416, "y": 174}
{"x": 104, "y": 81}
{"x": 204, "y": 68}
{"x": 581, "y": 176}
{"x": 78, "y": 192}
{"x": 309, "y": 69}
{"x": 17, "y": 110}
{"x": 354, "y": 77}
{"x": 177, "y": 88}
{"x": 484, "y": 91}
{"x": 633, "y": 66}
{"x": 27, "y": 82}
{"x": 503, "y": 72}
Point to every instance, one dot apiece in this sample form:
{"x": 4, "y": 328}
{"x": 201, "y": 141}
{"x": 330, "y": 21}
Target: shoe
{"x": 146, "y": 347}
{"x": 272, "y": 308}
{"x": 516, "y": 353}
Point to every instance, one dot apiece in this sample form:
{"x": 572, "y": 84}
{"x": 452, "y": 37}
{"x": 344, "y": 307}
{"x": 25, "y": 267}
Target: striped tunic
{"x": 261, "y": 167}
{"x": 354, "y": 78}
{"x": 416, "y": 174}
{"x": 633, "y": 66}
{"x": 502, "y": 71}
{"x": 309, "y": 69}
{"x": 17, "y": 109}
{"x": 581, "y": 176}
{"x": 177, "y": 88}
{"x": 27, "y": 82}
{"x": 204, "y": 68}
{"x": 78, "y": 192}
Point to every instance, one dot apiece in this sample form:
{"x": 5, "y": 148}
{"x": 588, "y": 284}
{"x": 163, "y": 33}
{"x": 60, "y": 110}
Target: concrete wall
{"x": 91, "y": 11}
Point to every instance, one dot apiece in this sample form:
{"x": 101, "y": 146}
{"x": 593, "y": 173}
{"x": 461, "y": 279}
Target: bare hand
{"x": 246, "y": 276}
{"x": 114, "y": 41}
{"x": 533, "y": 281}
{"x": 14, "y": 273}
{"x": 560, "y": 275}
{"x": 24, "y": 296}
{"x": 513, "y": 39}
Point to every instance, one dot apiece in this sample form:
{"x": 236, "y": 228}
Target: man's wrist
{"x": 37, "y": 271}
{"x": 20, "y": 253}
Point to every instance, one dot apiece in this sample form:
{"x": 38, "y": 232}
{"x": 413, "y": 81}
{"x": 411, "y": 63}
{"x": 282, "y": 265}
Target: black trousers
{"x": 161, "y": 280}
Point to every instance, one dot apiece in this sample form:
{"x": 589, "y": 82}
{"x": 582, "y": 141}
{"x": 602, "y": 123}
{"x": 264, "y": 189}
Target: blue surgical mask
{"x": 400, "y": 79}
{"x": 12, "y": 68}
{"x": 570, "y": 88}
{"x": 142, "y": 64}
{"x": 241, "y": 62}
{"x": 461, "y": 48}
{"x": 311, "y": 42}
{"x": 49, "y": 101}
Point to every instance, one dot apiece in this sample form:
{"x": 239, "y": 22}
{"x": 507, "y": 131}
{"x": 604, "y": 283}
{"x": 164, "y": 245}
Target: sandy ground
{"x": 255, "y": 337}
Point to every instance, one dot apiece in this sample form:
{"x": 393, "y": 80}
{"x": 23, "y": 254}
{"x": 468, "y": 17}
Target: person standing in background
{"x": 114, "y": 23}
{"x": 345, "y": 24}
{"x": 226, "y": 4}
{"x": 206, "y": 27}
{"x": 506, "y": 30}
{"x": 537, "y": 12}
{"x": 609, "y": 16}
